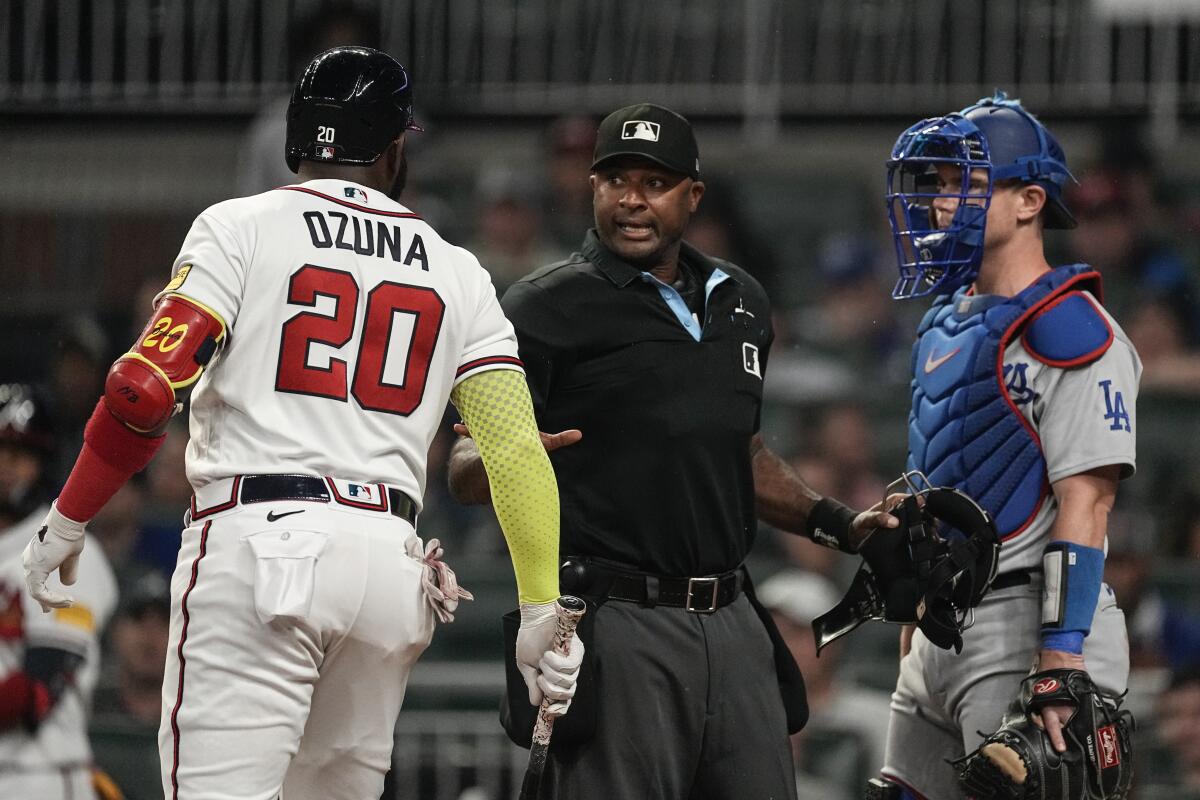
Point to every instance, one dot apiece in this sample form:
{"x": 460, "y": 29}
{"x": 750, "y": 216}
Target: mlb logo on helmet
{"x": 640, "y": 129}
{"x": 325, "y": 152}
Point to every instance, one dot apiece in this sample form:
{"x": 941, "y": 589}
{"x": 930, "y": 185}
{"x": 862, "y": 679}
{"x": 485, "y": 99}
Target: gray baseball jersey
{"x": 1085, "y": 417}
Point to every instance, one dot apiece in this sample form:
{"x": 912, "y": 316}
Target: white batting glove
{"x": 56, "y": 546}
{"x": 547, "y": 674}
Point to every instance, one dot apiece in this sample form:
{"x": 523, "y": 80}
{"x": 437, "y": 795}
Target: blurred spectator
{"x": 845, "y": 719}
{"x": 332, "y": 23}
{"x": 49, "y": 662}
{"x": 132, "y": 689}
{"x": 167, "y": 496}
{"x": 799, "y": 551}
{"x": 570, "y": 142}
{"x": 1179, "y": 730}
{"x": 844, "y": 440}
{"x": 1159, "y": 330}
{"x": 1183, "y": 522}
{"x": 1139, "y": 264}
{"x": 1161, "y": 633}
{"x": 117, "y": 527}
{"x": 854, "y": 320}
{"x": 27, "y": 439}
{"x": 510, "y": 239}
{"x": 74, "y": 383}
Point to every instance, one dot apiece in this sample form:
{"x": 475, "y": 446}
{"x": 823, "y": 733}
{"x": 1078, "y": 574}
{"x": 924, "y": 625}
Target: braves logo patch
{"x": 1046, "y": 686}
{"x": 1110, "y": 754}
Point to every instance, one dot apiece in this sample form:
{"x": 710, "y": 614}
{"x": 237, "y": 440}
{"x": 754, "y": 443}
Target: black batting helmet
{"x": 348, "y": 106}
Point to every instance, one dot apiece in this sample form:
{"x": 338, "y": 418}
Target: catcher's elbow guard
{"x": 146, "y": 386}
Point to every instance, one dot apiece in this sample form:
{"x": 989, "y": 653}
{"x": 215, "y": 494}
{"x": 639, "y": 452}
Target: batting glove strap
{"x": 829, "y": 523}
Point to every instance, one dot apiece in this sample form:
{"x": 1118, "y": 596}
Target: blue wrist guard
{"x": 1073, "y": 573}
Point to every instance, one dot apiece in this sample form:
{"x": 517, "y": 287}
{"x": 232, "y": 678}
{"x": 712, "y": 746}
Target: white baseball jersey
{"x": 61, "y": 740}
{"x": 337, "y": 299}
{"x": 1085, "y": 417}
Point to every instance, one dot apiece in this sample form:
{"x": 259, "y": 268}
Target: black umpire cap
{"x": 650, "y": 131}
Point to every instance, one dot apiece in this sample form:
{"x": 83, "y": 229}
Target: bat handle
{"x": 568, "y": 610}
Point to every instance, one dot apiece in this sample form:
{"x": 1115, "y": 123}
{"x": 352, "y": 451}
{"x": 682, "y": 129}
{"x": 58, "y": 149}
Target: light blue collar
{"x": 675, "y": 302}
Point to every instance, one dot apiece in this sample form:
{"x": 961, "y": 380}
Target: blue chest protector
{"x": 964, "y": 431}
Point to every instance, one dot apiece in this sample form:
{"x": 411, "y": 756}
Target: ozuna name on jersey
{"x": 366, "y": 237}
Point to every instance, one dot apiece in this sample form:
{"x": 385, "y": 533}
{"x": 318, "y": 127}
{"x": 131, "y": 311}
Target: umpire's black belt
{"x": 225, "y": 494}
{"x": 705, "y": 594}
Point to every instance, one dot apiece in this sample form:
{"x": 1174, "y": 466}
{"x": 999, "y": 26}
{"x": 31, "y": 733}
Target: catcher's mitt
{"x": 1018, "y": 762}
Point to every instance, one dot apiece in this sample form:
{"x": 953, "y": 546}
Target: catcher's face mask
{"x": 930, "y": 571}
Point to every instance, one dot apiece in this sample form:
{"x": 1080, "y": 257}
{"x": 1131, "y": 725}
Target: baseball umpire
{"x": 302, "y": 594}
{"x": 656, "y": 353}
{"x": 1023, "y": 397}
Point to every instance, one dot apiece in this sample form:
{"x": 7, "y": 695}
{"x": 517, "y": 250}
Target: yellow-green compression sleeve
{"x": 496, "y": 408}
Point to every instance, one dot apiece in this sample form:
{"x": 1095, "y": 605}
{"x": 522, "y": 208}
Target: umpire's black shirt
{"x": 662, "y": 478}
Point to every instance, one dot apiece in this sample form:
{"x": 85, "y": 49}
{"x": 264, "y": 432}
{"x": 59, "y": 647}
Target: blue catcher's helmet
{"x": 996, "y": 135}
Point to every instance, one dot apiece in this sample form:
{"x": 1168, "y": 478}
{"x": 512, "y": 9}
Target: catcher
{"x": 1023, "y": 397}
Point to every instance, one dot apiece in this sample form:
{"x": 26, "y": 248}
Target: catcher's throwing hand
{"x": 546, "y": 672}
{"x": 551, "y": 441}
{"x": 56, "y": 546}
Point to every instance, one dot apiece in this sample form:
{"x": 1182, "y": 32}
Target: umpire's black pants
{"x": 688, "y": 708}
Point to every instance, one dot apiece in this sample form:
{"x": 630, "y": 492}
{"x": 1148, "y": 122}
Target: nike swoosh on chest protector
{"x": 932, "y": 363}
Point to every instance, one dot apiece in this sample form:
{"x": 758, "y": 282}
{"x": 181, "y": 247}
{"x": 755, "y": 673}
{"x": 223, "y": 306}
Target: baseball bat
{"x": 569, "y": 610}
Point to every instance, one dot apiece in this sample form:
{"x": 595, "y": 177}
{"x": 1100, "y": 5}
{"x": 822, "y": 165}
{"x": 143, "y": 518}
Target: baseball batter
{"x": 49, "y": 663}
{"x": 323, "y": 327}
{"x": 1024, "y": 390}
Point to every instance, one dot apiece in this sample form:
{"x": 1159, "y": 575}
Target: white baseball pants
{"x": 292, "y": 639}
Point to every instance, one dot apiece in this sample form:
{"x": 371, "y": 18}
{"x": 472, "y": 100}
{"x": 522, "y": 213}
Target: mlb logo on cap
{"x": 650, "y": 132}
{"x": 640, "y": 129}
{"x": 324, "y": 152}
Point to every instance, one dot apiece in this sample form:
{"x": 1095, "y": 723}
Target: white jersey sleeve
{"x": 211, "y": 265}
{"x": 491, "y": 342}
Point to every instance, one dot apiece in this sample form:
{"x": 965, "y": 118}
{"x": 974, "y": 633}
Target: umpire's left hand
{"x": 874, "y": 518}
